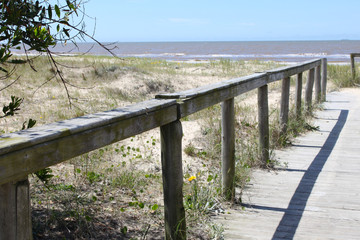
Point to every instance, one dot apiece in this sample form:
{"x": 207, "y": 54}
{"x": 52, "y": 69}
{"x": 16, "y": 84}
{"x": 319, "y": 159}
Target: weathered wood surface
{"x": 288, "y": 71}
{"x": 317, "y": 84}
{"x": 243, "y": 82}
{"x": 318, "y": 195}
{"x": 284, "y": 105}
{"x": 298, "y": 93}
{"x": 203, "y": 97}
{"x": 272, "y": 75}
{"x": 263, "y": 119}
{"x": 24, "y": 152}
{"x": 200, "y": 98}
{"x": 27, "y": 151}
{"x": 172, "y": 174}
{"x": 309, "y": 89}
{"x": 228, "y": 148}
{"x": 15, "y": 211}
{"x": 323, "y": 78}
{"x": 352, "y": 62}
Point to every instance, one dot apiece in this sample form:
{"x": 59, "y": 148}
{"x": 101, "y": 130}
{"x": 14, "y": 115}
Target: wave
{"x": 276, "y": 57}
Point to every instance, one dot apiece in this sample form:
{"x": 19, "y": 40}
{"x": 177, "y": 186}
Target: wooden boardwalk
{"x": 318, "y": 195}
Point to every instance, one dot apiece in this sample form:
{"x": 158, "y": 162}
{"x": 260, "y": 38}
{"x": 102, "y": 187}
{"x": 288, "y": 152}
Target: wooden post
{"x": 323, "y": 78}
{"x": 298, "y": 93}
{"x": 263, "y": 115}
{"x": 318, "y": 84}
{"x": 284, "y": 108}
{"x": 172, "y": 173}
{"x": 15, "y": 211}
{"x": 228, "y": 148}
{"x": 309, "y": 90}
{"x": 352, "y": 60}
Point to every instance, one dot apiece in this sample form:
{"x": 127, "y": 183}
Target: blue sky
{"x": 223, "y": 20}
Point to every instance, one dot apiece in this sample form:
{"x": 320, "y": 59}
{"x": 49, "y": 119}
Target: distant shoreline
{"x": 278, "y": 51}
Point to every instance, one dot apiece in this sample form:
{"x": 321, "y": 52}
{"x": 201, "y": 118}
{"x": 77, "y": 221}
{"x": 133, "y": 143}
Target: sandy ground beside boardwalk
{"x": 105, "y": 84}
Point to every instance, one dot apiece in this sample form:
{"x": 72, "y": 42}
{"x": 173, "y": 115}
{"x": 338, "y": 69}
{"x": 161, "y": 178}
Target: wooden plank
{"x": 273, "y": 75}
{"x": 298, "y": 93}
{"x": 172, "y": 173}
{"x": 18, "y": 140}
{"x": 309, "y": 90}
{"x": 228, "y": 148}
{"x": 27, "y": 151}
{"x": 15, "y": 210}
{"x": 263, "y": 119}
{"x": 202, "y": 101}
{"x": 216, "y": 87}
{"x": 318, "y": 84}
{"x": 284, "y": 105}
{"x": 285, "y": 72}
{"x": 323, "y": 78}
{"x": 352, "y": 62}
{"x": 318, "y": 209}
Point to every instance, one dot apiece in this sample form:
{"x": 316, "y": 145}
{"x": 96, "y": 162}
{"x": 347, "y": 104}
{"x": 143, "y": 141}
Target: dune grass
{"x": 341, "y": 76}
{"x": 116, "y": 191}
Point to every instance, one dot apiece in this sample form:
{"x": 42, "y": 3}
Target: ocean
{"x": 289, "y": 51}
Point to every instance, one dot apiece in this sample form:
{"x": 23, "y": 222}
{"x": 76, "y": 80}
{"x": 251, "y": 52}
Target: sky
{"x": 223, "y": 20}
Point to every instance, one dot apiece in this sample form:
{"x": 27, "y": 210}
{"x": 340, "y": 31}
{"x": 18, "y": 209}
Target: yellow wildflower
{"x": 192, "y": 178}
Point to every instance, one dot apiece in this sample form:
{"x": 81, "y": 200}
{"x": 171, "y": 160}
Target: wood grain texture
{"x": 352, "y": 63}
{"x": 243, "y": 83}
{"x": 317, "y": 83}
{"x": 309, "y": 90}
{"x": 317, "y": 195}
{"x": 15, "y": 211}
{"x": 263, "y": 119}
{"x": 323, "y": 78}
{"x": 285, "y": 72}
{"x": 298, "y": 94}
{"x": 228, "y": 148}
{"x": 284, "y": 105}
{"x": 27, "y": 151}
{"x": 172, "y": 174}
{"x": 202, "y": 101}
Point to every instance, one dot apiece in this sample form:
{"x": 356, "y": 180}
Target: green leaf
{"x": 50, "y": 12}
{"x": 30, "y": 124}
{"x": 155, "y": 207}
{"x": 44, "y": 175}
{"x": 124, "y": 230}
{"x": 66, "y": 31}
{"x": 141, "y": 205}
{"x": 3, "y": 70}
{"x": 57, "y": 10}
{"x": 70, "y": 5}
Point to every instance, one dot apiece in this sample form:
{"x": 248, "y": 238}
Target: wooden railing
{"x": 25, "y": 152}
{"x": 352, "y": 63}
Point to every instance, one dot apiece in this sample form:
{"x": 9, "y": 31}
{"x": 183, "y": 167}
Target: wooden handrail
{"x": 33, "y": 149}
{"x": 25, "y": 152}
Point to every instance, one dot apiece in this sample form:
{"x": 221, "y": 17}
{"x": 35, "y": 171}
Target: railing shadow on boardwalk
{"x": 293, "y": 213}
{"x": 22, "y": 153}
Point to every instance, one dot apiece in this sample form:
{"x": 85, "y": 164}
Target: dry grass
{"x": 116, "y": 191}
